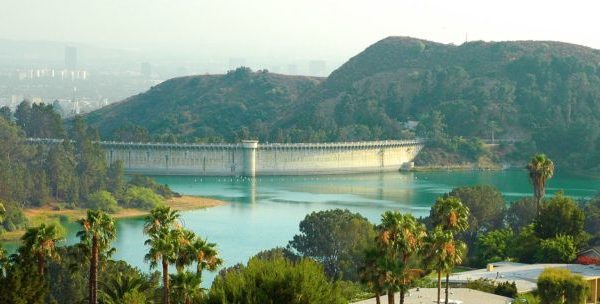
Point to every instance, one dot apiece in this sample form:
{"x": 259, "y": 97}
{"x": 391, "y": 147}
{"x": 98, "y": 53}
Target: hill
{"x": 545, "y": 94}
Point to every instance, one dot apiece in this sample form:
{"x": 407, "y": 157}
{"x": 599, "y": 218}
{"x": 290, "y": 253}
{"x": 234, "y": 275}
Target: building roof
{"x": 524, "y": 275}
{"x": 459, "y": 295}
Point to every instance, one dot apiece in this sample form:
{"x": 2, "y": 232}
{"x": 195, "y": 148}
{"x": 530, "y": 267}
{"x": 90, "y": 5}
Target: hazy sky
{"x": 300, "y": 29}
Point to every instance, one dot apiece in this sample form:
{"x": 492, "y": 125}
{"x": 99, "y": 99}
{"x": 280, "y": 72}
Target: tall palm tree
{"x": 98, "y": 231}
{"x": 166, "y": 237}
{"x": 371, "y": 274}
{"x": 456, "y": 250}
{"x": 442, "y": 253}
{"x": 163, "y": 249}
{"x": 450, "y": 213}
{"x": 207, "y": 256}
{"x": 159, "y": 218}
{"x": 40, "y": 243}
{"x": 401, "y": 236}
{"x": 541, "y": 169}
{"x": 186, "y": 286}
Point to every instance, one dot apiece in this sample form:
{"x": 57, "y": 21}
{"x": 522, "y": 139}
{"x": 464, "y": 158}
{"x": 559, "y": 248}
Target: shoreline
{"x": 47, "y": 214}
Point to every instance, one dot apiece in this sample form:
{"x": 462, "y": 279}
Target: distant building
{"x": 146, "y": 69}
{"x": 317, "y": 68}
{"x": 70, "y": 58}
{"x": 292, "y": 69}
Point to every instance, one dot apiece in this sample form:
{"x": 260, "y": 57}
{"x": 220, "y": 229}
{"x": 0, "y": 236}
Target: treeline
{"x": 71, "y": 173}
{"x": 337, "y": 257}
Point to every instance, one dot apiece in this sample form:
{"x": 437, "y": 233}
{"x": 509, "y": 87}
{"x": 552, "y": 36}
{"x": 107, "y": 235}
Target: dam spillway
{"x": 250, "y": 158}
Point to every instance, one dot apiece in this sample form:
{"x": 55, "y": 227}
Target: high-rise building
{"x": 146, "y": 70}
{"x": 70, "y": 58}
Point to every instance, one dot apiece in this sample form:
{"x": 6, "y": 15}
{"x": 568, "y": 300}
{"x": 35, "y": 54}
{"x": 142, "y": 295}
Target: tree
{"x": 121, "y": 286}
{"x": 442, "y": 254}
{"x": 98, "y": 231}
{"x": 115, "y": 183}
{"x": 561, "y": 215}
{"x": 494, "y": 246}
{"x": 186, "y": 287}
{"x": 371, "y": 272}
{"x": 486, "y": 208}
{"x": 165, "y": 237}
{"x": 337, "y": 238}
{"x": 401, "y": 237}
{"x": 6, "y": 113}
{"x": 521, "y": 213}
{"x": 541, "y": 169}
{"x": 264, "y": 280}
{"x": 559, "y": 249}
{"x": 450, "y": 213}
{"x": 103, "y": 200}
{"x": 592, "y": 219}
{"x": 162, "y": 217}
{"x": 40, "y": 243}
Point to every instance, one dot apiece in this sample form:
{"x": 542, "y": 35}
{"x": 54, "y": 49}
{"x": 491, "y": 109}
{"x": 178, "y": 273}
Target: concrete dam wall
{"x": 251, "y": 158}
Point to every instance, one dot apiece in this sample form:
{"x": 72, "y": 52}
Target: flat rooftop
{"x": 524, "y": 275}
{"x": 429, "y": 296}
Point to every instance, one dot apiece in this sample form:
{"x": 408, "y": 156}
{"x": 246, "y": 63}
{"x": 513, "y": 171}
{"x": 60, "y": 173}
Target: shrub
{"x": 558, "y": 284}
{"x": 141, "y": 198}
{"x": 506, "y": 289}
{"x": 264, "y": 280}
{"x": 560, "y": 249}
{"x": 104, "y": 201}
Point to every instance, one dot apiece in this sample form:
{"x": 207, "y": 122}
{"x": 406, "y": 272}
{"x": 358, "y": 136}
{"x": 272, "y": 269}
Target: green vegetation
{"x": 335, "y": 238}
{"x": 559, "y": 285}
{"x": 264, "y": 280}
{"x": 542, "y": 94}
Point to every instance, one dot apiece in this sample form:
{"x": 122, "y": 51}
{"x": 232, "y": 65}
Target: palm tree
{"x": 371, "y": 274}
{"x": 159, "y": 218}
{"x": 163, "y": 249}
{"x": 207, "y": 256}
{"x": 541, "y": 169}
{"x": 450, "y": 213}
{"x": 186, "y": 286}
{"x": 98, "y": 231}
{"x": 436, "y": 251}
{"x": 455, "y": 250}
{"x": 40, "y": 243}
{"x": 115, "y": 290}
{"x": 166, "y": 237}
{"x": 401, "y": 236}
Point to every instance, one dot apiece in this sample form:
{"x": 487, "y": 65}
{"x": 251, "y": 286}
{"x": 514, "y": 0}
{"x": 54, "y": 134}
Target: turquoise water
{"x": 265, "y": 212}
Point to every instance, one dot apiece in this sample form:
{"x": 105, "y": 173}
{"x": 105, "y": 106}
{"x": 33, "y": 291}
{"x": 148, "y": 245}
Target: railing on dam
{"x": 330, "y": 145}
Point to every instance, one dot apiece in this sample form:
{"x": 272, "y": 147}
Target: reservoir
{"x": 264, "y": 212}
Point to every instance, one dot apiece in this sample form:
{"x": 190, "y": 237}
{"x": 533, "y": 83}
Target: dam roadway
{"x": 251, "y": 158}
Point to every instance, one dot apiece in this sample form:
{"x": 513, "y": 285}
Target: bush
{"x": 147, "y": 182}
{"x": 556, "y": 284}
{"x": 560, "y": 249}
{"x": 104, "y": 201}
{"x": 506, "y": 289}
{"x": 141, "y": 198}
{"x": 526, "y": 298}
{"x": 13, "y": 219}
{"x": 264, "y": 280}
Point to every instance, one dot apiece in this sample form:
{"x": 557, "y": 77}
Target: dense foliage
{"x": 559, "y": 285}
{"x": 336, "y": 238}
{"x": 275, "y": 280}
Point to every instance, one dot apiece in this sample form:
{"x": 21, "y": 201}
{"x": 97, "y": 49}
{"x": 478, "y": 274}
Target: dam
{"x": 251, "y": 158}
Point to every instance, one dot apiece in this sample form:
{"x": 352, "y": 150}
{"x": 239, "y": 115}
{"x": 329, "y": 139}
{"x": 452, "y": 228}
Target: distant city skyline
{"x": 286, "y": 32}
